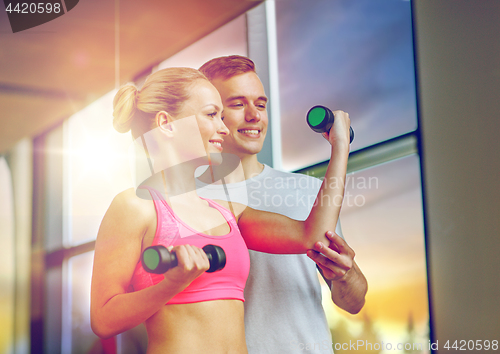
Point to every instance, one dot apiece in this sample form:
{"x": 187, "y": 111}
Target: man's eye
{"x": 212, "y": 114}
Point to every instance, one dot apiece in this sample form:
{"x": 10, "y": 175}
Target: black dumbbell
{"x": 320, "y": 119}
{"x": 158, "y": 259}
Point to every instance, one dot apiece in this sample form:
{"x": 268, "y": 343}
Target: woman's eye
{"x": 212, "y": 114}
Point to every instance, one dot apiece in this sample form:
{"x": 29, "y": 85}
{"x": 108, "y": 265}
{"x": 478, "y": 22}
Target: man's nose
{"x": 252, "y": 114}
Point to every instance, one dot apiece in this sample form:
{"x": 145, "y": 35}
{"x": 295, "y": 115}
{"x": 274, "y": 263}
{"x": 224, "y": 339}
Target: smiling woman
{"x": 176, "y": 118}
{"x": 176, "y": 115}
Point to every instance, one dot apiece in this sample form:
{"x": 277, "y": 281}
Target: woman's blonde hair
{"x": 165, "y": 90}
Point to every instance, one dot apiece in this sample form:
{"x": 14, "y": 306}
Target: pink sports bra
{"x": 227, "y": 283}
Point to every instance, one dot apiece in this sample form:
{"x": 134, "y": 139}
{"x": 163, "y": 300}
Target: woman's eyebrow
{"x": 213, "y": 105}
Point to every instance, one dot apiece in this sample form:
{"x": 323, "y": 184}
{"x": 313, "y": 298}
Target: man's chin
{"x": 250, "y": 148}
{"x": 253, "y": 149}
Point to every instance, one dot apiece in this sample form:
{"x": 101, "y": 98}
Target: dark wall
{"x": 458, "y": 61}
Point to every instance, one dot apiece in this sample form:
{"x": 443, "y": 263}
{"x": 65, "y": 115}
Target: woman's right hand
{"x": 191, "y": 263}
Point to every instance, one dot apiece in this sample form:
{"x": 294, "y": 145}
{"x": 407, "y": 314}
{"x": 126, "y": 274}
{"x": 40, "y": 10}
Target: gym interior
{"x": 420, "y": 79}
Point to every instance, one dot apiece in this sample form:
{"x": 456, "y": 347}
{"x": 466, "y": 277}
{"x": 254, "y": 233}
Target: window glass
{"x": 52, "y": 182}
{"x": 53, "y": 314}
{"x": 7, "y": 272}
{"x": 353, "y": 55}
{"x": 382, "y": 221}
{"x": 96, "y": 168}
{"x": 77, "y": 314}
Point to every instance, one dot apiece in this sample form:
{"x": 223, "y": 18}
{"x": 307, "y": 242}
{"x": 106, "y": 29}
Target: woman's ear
{"x": 164, "y": 122}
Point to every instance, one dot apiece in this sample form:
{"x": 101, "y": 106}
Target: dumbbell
{"x": 320, "y": 119}
{"x": 158, "y": 259}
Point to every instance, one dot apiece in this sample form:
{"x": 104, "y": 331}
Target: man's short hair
{"x": 227, "y": 67}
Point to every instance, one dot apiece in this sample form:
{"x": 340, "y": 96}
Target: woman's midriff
{"x": 204, "y": 327}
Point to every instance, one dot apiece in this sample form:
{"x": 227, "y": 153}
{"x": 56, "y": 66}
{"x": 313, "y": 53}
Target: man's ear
{"x": 164, "y": 121}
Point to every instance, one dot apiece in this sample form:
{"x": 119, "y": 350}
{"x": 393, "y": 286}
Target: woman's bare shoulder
{"x": 129, "y": 210}
{"x": 128, "y": 201}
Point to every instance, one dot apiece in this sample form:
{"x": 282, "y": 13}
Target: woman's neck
{"x": 173, "y": 181}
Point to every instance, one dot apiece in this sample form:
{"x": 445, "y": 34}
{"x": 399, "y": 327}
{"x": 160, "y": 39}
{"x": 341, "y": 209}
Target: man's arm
{"x": 336, "y": 263}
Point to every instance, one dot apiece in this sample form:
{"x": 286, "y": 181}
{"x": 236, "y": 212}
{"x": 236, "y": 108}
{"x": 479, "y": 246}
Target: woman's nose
{"x": 222, "y": 128}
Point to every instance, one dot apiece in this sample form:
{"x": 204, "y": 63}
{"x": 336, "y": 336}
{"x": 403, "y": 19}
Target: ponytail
{"x": 124, "y": 108}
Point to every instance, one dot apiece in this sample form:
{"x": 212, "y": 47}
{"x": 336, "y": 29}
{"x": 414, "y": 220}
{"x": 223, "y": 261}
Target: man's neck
{"x": 248, "y": 168}
{"x": 251, "y": 166}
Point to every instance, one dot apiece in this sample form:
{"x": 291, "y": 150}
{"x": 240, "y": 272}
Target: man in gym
{"x": 283, "y": 310}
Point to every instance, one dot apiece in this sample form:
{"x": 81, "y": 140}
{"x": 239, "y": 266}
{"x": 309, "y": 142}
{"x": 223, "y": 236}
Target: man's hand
{"x": 347, "y": 283}
{"x": 335, "y": 260}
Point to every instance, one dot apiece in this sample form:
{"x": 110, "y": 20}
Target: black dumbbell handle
{"x": 158, "y": 259}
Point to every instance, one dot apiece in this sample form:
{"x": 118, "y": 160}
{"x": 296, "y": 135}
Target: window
{"x": 96, "y": 168}
{"x": 7, "y": 262}
{"x": 383, "y": 222}
{"x": 358, "y": 56}
{"x": 351, "y": 55}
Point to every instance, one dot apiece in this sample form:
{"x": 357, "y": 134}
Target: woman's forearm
{"x": 127, "y": 310}
{"x": 326, "y": 209}
{"x": 274, "y": 233}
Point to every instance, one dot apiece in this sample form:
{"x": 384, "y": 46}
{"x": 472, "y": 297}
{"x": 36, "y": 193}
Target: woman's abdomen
{"x": 204, "y": 327}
